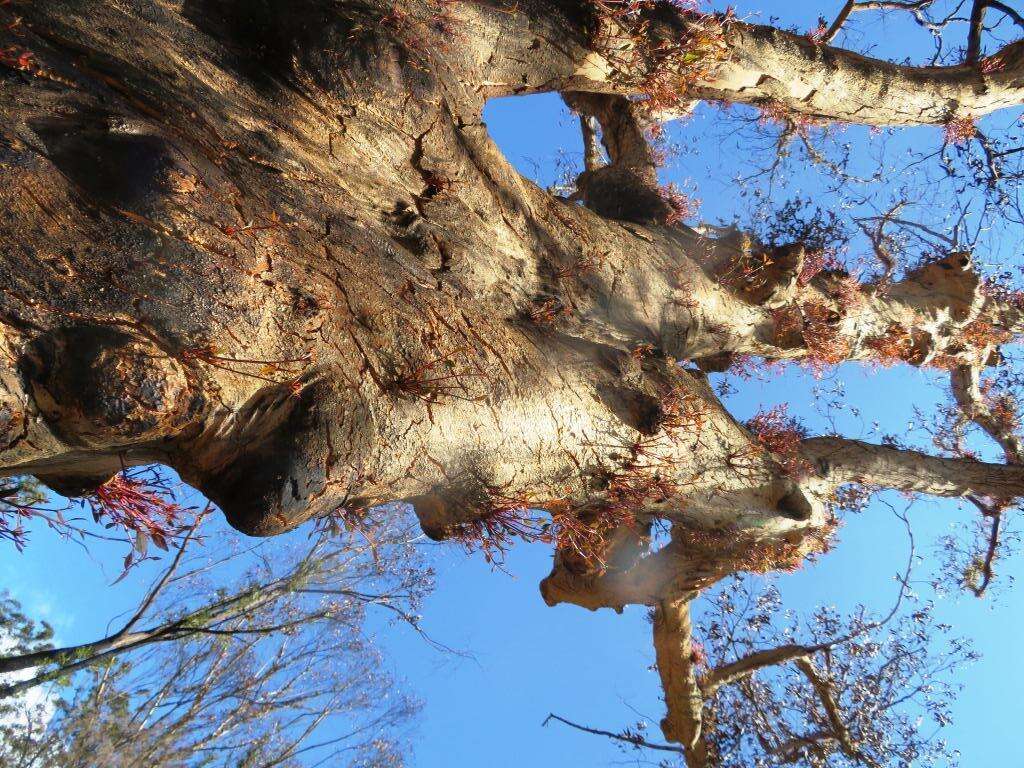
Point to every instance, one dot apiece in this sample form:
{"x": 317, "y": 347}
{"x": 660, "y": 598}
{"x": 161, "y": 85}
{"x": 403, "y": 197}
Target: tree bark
{"x": 271, "y": 245}
{"x": 673, "y": 645}
{"x": 851, "y": 461}
{"x": 745, "y": 63}
{"x": 278, "y": 252}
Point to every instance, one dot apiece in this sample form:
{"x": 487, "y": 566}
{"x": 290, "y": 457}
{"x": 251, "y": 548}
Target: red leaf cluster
{"x": 781, "y": 435}
{"x": 136, "y": 506}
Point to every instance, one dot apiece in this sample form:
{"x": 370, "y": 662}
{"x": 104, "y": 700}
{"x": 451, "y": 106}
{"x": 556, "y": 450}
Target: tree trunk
{"x": 278, "y": 252}
{"x": 272, "y": 245}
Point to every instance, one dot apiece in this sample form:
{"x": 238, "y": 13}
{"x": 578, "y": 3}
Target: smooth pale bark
{"x": 278, "y": 251}
{"x": 840, "y": 460}
{"x": 673, "y": 647}
{"x": 305, "y": 277}
{"x": 760, "y": 64}
{"x": 728, "y": 674}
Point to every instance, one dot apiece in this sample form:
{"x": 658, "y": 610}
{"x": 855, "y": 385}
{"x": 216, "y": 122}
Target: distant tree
{"x": 763, "y": 689}
{"x": 270, "y": 667}
{"x": 23, "y": 720}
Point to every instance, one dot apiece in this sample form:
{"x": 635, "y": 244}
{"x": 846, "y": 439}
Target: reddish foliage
{"x": 21, "y": 501}
{"x": 851, "y": 498}
{"x": 642, "y": 351}
{"x": 544, "y": 311}
{"x": 817, "y": 325}
{"x": 681, "y": 412}
{"x": 634, "y": 489}
{"x": 208, "y": 353}
{"x": 432, "y": 379}
{"x": 681, "y": 205}
{"x": 768, "y": 556}
{"x": 698, "y": 656}
{"x": 658, "y": 70}
{"x": 749, "y": 272}
{"x": 586, "y": 264}
{"x": 734, "y": 550}
{"x": 437, "y": 183}
{"x": 815, "y": 262}
{"x": 505, "y": 520}
{"x": 817, "y": 35}
{"x": 979, "y": 334}
{"x": 971, "y": 345}
{"x": 1003, "y": 406}
{"x": 138, "y": 506}
{"x": 788, "y": 322}
{"x": 847, "y": 290}
{"x": 580, "y": 533}
{"x": 826, "y": 346}
{"x": 18, "y": 58}
{"x": 136, "y": 502}
{"x": 896, "y": 345}
{"x": 748, "y": 367}
{"x": 991, "y": 64}
{"x": 781, "y": 435}
{"x": 412, "y": 29}
{"x": 584, "y": 535}
{"x": 959, "y": 130}
{"x": 774, "y": 111}
{"x": 502, "y": 523}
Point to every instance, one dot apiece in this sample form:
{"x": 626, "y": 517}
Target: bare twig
{"x": 628, "y": 739}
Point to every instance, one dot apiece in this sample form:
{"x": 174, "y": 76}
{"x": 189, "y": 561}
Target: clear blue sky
{"x": 594, "y": 667}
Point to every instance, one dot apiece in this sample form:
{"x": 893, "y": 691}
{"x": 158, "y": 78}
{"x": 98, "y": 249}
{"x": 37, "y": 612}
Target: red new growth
{"x": 681, "y": 205}
{"x": 959, "y": 130}
{"x": 17, "y": 58}
{"x": 814, "y": 263}
{"x": 136, "y": 506}
{"x": 781, "y": 435}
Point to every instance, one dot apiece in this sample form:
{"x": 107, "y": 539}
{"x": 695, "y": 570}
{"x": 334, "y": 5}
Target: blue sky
{"x": 528, "y": 659}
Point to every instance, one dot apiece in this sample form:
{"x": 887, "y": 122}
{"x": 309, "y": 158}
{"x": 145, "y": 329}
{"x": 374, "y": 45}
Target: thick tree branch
{"x": 673, "y": 646}
{"x": 841, "y": 18}
{"x": 840, "y": 461}
{"x": 759, "y": 64}
{"x": 626, "y": 188}
{"x": 967, "y": 392}
{"x": 728, "y": 674}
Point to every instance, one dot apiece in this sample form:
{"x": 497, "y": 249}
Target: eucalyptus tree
{"x": 235, "y": 656}
{"x": 271, "y": 244}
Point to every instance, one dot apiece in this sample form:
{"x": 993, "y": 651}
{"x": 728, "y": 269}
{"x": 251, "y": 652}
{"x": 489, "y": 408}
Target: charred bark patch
{"x": 271, "y": 42}
{"x": 115, "y": 162}
{"x": 277, "y": 471}
{"x": 100, "y": 387}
